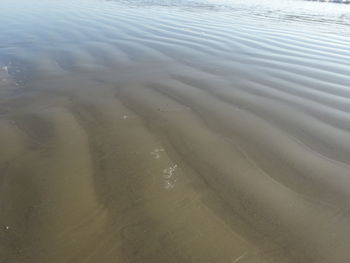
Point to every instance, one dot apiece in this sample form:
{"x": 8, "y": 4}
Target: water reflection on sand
{"x": 176, "y": 131}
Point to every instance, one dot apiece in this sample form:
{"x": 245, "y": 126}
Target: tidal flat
{"x": 146, "y": 131}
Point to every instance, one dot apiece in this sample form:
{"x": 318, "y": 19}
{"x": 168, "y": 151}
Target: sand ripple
{"x": 205, "y": 131}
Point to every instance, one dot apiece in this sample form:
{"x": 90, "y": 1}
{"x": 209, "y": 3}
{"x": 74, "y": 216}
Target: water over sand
{"x": 150, "y": 131}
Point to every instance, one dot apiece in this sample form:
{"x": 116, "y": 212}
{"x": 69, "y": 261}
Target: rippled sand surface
{"x": 174, "y": 131}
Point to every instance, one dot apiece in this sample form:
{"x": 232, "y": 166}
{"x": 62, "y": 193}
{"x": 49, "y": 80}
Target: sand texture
{"x": 181, "y": 133}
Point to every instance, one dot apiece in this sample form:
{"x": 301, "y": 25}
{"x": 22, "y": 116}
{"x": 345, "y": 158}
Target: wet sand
{"x": 198, "y": 132}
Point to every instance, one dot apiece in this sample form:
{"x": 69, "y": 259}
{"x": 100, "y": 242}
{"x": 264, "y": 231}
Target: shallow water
{"x": 174, "y": 131}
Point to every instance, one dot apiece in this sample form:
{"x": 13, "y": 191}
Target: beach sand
{"x": 138, "y": 137}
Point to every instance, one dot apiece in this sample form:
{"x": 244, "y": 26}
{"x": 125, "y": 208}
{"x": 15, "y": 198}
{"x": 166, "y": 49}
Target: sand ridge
{"x": 140, "y": 132}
